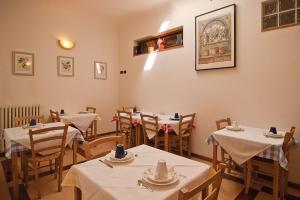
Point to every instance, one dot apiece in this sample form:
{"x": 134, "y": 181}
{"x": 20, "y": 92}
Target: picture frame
{"x": 22, "y": 63}
{"x": 65, "y": 66}
{"x": 100, "y": 70}
{"x": 215, "y": 39}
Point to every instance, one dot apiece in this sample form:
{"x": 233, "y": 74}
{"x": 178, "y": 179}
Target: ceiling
{"x": 119, "y": 8}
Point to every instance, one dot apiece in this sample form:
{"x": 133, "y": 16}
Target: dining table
{"x": 17, "y": 140}
{"x": 95, "y": 180}
{"x": 83, "y": 121}
{"x": 165, "y": 122}
{"x": 247, "y": 142}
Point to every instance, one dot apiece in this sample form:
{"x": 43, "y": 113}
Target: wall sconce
{"x": 66, "y": 44}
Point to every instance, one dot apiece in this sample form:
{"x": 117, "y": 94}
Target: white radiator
{"x": 8, "y": 114}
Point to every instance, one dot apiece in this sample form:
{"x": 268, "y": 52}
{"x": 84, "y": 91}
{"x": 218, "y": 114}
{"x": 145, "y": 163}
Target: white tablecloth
{"x": 17, "y": 139}
{"x": 243, "y": 145}
{"x": 81, "y": 121}
{"x": 97, "y": 181}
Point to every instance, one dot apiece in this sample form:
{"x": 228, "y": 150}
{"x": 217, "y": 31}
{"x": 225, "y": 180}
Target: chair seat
{"x": 42, "y": 158}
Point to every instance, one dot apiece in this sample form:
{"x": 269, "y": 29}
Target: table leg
{"x": 166, "y": 141}
{"x": 215, "y": 156}
{"x": 77, "y": 193}
{"x": 138, "y": 136}
{"x": 276, "y": 179}
{"x": 75, "y": 146}
{"x": 14, "y": 165}
{"x": 95, "y": 128}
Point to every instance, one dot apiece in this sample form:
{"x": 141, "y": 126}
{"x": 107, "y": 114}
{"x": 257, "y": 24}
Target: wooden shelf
{"x": 172, "y": 39}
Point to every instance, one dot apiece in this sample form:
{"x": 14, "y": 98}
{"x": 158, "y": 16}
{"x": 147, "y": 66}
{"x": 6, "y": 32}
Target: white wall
{"x": 263, "y": 89}
{"x": 34, "y": 26}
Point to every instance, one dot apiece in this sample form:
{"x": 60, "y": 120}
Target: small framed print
{"x": 23, "y": 63}
{"x": 100, "y": 70}
{"x": 65, "y": 66}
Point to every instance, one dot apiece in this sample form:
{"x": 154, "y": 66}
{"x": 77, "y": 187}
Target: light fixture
{"x": 66, "y": 44}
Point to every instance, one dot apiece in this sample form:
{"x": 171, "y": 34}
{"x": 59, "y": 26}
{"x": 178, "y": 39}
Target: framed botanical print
{"x": 65, "y": 66}
{"x": 100, "y": 70}
{"x": 23, "y": 63}
{"x": 215, "y": 39}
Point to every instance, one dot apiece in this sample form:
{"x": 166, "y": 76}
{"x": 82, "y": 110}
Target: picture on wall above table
{"x": 65, "y": 66}
{"x": 23, "y": 63}
{"x": 100, "y": 70}
{"x": 215, "y": 39}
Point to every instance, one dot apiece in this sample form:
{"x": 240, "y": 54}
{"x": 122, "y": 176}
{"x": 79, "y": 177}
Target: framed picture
{"x": 100, "y": 70}
{"x": 215, "y": 39}
{"x": 65, "y": 66}
{"x": 23, "y": 63}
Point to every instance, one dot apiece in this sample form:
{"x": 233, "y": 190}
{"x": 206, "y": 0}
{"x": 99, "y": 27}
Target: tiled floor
{"x": 231, "y": 188}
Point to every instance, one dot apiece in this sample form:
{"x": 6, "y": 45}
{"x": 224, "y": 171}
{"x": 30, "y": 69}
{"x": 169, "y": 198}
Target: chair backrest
{"x": 91, "y": 109}
{"x": 150, "y": 124}
{"x": 186, "y": 124}
{"x": 287, "y": 139}
{"x": 214, "y": 180}
{"x": 47, "y": 145}
{"x": 89, "y": 146}
{"x": 222, "y": 123}
{"x": 54, "y": 116}
{"x": 128, "y": 108}
{"x": 19, "y": 121}
{"x": 125, "y": 121}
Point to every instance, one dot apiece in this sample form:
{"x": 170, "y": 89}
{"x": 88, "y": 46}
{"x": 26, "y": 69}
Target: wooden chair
{"x": 182, "y": 140}
{"x": 150, "y": 125}
{"x": 89, "y": 149}
{"x": 213, "y": 181}
{"x": 91, "y": 109}
{"x": 54, "y": 115}
{"x": 225, "y": 157}
{"x": 46, "y": 149}
{"x": 128, "y": 108}
{"x": 89, "y": 134}
{"x": 20, "y": 121}
{"x": 268, "y": 163}
{"x": 126, "y": 126}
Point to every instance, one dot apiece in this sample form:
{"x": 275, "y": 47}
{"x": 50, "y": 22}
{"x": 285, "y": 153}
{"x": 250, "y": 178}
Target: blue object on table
{"x": 120, "y": 152}
{"x": 134, "y": 109}
{"x": 273, "y": 130}
{"x": 32, "y": 122}
{"x": 62, "y": 111}
{"x": 176, "y": 115}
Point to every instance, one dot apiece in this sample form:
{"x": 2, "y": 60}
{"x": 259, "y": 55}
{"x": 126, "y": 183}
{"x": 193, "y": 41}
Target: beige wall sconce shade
{"x": 66, "y": 44}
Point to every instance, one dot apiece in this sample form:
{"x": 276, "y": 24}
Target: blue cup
{"x": 62, "y": 111}
{"x": 134, "y": 110}
{"x": 176, "y": 115}
{"x": 32, "y": 122}
{"x": 120, "y": 152}
{"x": 273, "y": 130}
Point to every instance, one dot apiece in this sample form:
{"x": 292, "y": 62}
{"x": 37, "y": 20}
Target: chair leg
{"x": 180, "y": 146}
{"x": 56, "y": 168}
{"x": 60, "y": 173}
{"x": 248, "y": 179}
{"x": 50, "y": 166}
{"x": 36, "y": 180}
{"x": 189, "y": 146}
{"x": 26, "y": 172}
{"x": 155, "y": 141}
{"x": 286, "y": 182}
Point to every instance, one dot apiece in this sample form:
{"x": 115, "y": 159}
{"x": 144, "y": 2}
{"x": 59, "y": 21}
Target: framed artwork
{"x": 23, "y": 63}
{"x": 65, "y": 66}
{"x": 215, "y": 39}
{"x": 100, "y": 70}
